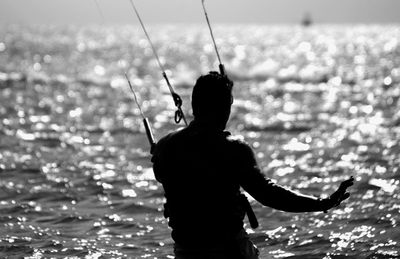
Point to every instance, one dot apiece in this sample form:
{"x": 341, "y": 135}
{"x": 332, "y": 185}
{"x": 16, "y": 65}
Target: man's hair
{"x": 212, "y": 94}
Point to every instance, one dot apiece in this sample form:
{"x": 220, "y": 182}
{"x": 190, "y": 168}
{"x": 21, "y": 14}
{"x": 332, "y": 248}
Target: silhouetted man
{"x": 202, "y": 168}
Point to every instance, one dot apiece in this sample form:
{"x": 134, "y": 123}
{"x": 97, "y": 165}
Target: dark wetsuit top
{"x": 201, "y": 170}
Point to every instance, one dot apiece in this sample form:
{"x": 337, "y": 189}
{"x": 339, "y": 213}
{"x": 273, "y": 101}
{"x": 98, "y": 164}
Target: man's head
{"x": 212, "y": 99}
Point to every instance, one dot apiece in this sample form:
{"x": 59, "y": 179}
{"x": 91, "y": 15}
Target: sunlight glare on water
{"x": 316, "y": 104}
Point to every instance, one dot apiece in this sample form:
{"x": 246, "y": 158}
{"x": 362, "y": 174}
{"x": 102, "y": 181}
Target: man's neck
{"x": 208, "y": 124}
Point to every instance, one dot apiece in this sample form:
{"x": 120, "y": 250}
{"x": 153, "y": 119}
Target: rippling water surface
{"x": 317, "y": 105}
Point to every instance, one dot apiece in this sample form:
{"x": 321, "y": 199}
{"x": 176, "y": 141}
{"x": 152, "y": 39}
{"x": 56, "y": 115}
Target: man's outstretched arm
{"x": 278, "y": 197}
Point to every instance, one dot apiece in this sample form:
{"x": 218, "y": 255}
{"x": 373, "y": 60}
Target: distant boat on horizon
{"x": 307, "y": 20}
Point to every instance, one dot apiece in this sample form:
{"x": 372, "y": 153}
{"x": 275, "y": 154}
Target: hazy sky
{"x": 189, "y": 11}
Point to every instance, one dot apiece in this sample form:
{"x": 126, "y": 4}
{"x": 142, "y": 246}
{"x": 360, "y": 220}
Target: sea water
{"x": 317, "y": 105}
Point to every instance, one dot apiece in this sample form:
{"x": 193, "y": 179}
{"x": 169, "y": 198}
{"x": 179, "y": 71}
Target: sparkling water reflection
{"x": 316, "y": 104}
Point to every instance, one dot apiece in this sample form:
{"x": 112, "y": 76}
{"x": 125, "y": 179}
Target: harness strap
{"x": 249, "y": 211}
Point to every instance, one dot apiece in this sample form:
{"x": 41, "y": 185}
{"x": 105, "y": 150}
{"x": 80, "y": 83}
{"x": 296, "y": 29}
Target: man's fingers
{"x": 345, "y": 184}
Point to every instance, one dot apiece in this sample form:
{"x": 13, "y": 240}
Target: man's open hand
{"x": 339, "y": 195}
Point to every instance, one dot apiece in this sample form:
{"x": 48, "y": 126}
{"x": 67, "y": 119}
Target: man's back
{"x": 198, "y": 169}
